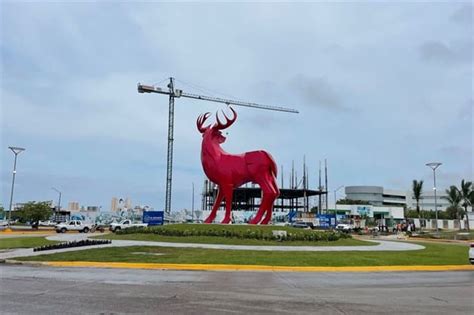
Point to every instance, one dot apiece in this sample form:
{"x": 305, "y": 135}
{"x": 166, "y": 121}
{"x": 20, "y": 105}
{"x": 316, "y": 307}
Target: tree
{"x": 2, "y": 212}
{"x": 34, "y": 211}
{"x": 465, "y": 194}
{"x": 454, "y": 199}
{"x": 417, "y": 188}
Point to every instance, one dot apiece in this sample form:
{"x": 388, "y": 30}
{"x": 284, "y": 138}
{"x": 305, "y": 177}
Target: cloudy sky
{"x": 382, "y": 89}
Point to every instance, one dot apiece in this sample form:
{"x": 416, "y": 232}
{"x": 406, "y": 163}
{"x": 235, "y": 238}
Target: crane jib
{"x": 142, "y": 88}
{"x": 238, "y": 103}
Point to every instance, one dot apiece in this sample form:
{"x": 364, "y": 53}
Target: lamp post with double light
{"x": 59, "y": 200}
{"x": 434, "y": 166}
{"x": 16, "y": 151}
{"x": 335, "y": 200}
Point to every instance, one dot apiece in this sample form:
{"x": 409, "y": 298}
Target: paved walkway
{"x": 382, "y": 246}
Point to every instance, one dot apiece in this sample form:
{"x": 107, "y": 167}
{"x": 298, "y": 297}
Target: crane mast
{"x": 176, "y": 93}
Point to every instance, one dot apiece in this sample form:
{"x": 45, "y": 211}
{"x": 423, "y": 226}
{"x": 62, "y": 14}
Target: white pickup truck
{"x": 114, "y": 227}
{"x": 344, "y": 227}
{"x": 73, "y": 225}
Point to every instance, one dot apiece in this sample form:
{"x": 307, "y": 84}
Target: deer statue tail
{"x": 273, "y": 166}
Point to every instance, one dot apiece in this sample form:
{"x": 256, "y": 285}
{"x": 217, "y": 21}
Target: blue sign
{"x": 326, "y": 220}
{"x": 292, "y": 215}
{"x": 153, "y": 217}
{"x": 364, "y": 210}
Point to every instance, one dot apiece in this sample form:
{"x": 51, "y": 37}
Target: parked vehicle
{"x": 344, "y": 227}
{"x": 471, "y": 254}
{"x": 47, "y": 223}
{"x": 73, "y": 225}
{"x": 125, "y": 224}
{"x": 303, "y": 225}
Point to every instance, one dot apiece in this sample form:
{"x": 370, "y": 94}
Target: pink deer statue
{"x": 230, "y": 171}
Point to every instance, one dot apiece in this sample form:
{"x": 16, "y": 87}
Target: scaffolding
{"x": 296, "y": 197}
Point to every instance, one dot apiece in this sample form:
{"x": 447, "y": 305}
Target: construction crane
{"x": 177, "y": 93}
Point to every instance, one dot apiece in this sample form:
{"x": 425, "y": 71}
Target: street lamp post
{"x": 335, "y": 201}
{"x": 434, "y": 166}
{"x": 59, "y": 200}
{"x": 16, "y": 151}
{"x": 192, "y": 207}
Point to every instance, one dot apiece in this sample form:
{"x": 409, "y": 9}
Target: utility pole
{"x": 320, "y": 190}
{"x": 305, "y": 200}
{"x": 281, "y": 172}
{"x": 326, "y": 182}
{"x": 173, "y": 93}
{"x": 169, "y": 160}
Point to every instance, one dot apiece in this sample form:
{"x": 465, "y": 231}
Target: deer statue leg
{"x": 272, "y": 196}
{"x": 216, "y": 206}
{"x": 267, "y": 192}
{"x": 228, "y": 190}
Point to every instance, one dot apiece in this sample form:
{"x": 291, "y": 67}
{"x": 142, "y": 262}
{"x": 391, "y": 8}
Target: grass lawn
{"x": 227, "y": 240}
{"x": 24, "y": 242}
{"x": 433, "y": 254}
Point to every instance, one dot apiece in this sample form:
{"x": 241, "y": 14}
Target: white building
{"x": 380, "y": 196}
{"x": 73, "y": 206}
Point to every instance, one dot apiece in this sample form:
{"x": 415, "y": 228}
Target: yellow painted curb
{"x": 254, "y": 267}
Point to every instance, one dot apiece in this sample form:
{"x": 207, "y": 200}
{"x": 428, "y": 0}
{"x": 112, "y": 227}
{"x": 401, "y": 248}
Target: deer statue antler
{"x": 218, "y": 125}
{"x": 200, "y": 122}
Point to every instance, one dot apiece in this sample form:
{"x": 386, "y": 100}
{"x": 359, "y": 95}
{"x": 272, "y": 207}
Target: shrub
{"x": 237, "y": 231}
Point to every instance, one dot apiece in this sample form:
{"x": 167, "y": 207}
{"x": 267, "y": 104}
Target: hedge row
{"x": 72, "y": 244}
{"x": 258, "y": 234}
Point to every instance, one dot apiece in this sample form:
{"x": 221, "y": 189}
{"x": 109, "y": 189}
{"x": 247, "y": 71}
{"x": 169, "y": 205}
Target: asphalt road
{"x": 46, "y": 290}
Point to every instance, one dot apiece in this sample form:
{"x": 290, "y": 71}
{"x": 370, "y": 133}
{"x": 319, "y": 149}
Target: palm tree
{"x": 417, "y": 188}
{"x": 465, "y": 193}
{"x": 454, "y": 199}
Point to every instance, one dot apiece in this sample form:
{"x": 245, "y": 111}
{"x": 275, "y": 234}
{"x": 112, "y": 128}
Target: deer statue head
{"x": 213, "y": 133}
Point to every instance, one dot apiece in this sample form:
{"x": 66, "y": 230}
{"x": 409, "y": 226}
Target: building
{"x": 73, "y": 206}
{"x": 128, "y": 203}
{"x": 114, "y": 205}
{"x": 380, "y": 196}
{"x": 120, "y": 204}
{"x": 92, "y": 209}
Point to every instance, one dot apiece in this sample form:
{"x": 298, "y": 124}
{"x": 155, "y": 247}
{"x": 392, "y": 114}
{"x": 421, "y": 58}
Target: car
{"x": 471, "y": 254}
{"x": 303, "y": 225}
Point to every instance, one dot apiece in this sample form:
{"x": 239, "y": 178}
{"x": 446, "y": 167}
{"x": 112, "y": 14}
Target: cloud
{"x": 317, "y": 91}
{"x": 466, "y": 111}
{"x": 439, "y": 52}
{"x": 463, "y": 15}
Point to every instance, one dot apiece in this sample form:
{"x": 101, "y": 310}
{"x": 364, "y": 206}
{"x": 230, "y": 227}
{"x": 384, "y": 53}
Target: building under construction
{"x": 296, "y": 197}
